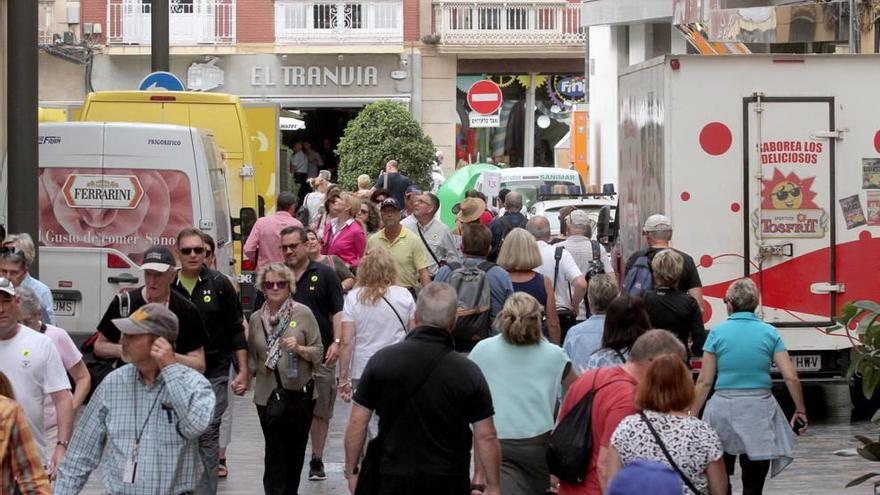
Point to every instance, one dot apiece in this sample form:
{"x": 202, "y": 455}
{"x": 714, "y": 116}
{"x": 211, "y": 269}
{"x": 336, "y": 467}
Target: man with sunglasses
{"x": 14, "y": 266}
{"x": 319, "y": 288}
{"x": 214, "y": 296}
{"x": 658, "y": 232}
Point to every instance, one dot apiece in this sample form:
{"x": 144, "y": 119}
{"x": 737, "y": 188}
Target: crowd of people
{"x": 460, "y": 349}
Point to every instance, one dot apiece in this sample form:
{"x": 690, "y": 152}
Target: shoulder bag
{"x": 369, "y": 477}
{"x": 672, "y": 463}
{"x": 396, "y": 314}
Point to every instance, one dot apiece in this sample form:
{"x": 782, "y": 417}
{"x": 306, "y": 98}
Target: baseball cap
{"x": 413, "y": 190}
{"x": 657, "y": 222}
{"x": 640, "y": 473}
{"x": 389, "y": 202}
{"x": 6, "y": 286}
{"x": 153, "y": 319}
{"x": 158, "y": 258}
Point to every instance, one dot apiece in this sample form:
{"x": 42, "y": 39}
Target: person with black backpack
{"x": 638, "y": 276}
{"x": 580, "y": 444}
{"x": 502, "y": 225}
{"x": 481, "y": 285}
{"x": 589, "y": 254}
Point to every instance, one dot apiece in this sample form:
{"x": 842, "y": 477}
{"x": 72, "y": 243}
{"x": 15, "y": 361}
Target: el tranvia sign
{"x": 314, "y": 75}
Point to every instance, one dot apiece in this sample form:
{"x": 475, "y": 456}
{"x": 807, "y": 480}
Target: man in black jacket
{"x": 214, "y": 296}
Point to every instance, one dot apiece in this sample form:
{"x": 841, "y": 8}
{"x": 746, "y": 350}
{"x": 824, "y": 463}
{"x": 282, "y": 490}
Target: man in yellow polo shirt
{"x": 405, "y": 247}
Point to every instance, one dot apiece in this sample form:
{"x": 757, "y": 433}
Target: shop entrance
{"x": 322, "y": 128}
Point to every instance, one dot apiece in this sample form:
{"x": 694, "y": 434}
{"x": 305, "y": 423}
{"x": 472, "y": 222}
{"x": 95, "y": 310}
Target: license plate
{"x": 65, "y": 308}
{"x": 805, "y": 362}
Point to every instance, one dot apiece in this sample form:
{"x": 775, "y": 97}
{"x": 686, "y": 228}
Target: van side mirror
{"x": 247, "y": 217}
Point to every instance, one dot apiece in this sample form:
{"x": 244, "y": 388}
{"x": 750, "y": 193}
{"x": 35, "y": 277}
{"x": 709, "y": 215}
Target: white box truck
{"x": 769, "y": 167}
{"x": 109, "y": 191}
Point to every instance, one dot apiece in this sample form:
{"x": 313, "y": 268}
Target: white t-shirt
{"x": 376, "y": 326}
{"x": 568, "y": 271}
{"x": 34, "y": 368}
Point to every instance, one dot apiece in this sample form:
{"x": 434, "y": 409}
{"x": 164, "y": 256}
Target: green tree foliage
{"x": 384, "y": 130}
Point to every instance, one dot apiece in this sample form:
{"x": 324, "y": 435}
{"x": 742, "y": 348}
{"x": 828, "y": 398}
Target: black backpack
{"x": 571, "y": 442}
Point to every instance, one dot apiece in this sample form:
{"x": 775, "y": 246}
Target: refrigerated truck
{"x": 109, "y": 191}
{"x": 769, "y": 167}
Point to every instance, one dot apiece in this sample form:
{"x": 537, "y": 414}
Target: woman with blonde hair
{"x": 376, "y": 314}
{"x": 24, "y": 243}
{"x": 343, "y": 235}
{"x": 365, "y": 187}
{"x": 520, "y": 256}
{"x": 671, "y": 309}
{"x": 526, "y": 374}
{"x": 314, "y": 201}
{"x": 284, "y": 347}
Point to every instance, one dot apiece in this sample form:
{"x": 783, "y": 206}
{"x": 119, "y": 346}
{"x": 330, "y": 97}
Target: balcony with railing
{"x": 191, "y": 22}
{"x": 492, "y": 22}
{"x": 377, "y": 21}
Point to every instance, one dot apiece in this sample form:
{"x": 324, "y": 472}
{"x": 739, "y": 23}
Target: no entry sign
{"x": 484, "y": 97}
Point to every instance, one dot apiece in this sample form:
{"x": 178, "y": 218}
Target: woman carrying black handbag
{"x": 284, "y": 345}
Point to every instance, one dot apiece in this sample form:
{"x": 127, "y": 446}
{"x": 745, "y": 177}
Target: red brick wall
{"x": 256, "y": 21}
{"x": 95, "y": 11}
{"x": 411, "y": 20}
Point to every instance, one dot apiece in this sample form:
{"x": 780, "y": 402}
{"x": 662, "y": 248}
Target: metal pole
{"x": 853, "y": 31}
{"x": 529, "y": 141}
{"x": 22, "y": 121}
{"x": 159, "y": 35}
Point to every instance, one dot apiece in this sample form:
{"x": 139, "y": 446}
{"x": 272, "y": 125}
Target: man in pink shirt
{"x": 264, "y": 241}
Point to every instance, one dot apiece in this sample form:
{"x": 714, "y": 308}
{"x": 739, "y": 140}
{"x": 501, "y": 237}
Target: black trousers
{"x": 303, "y": 187}
{"x": 753, "y": 473}
{"x": 425, "y": 485}
{"x": 286, "y": 445}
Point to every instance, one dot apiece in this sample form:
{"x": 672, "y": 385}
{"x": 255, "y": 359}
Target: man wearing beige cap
{"x": 145, "y": 418}
{"x": 159, "y": 267}
{"x": 658, "y": 232}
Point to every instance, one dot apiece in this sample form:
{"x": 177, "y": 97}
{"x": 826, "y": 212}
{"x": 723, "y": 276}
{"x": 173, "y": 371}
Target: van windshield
{"x": 531, "y": 190}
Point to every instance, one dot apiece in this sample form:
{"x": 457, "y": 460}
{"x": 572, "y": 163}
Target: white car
{"x": 589, "y": 203}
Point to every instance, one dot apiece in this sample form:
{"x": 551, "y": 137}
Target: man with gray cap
{"x": 145, "y": 418}
{"x": 159, "y": 267}
{"x": 658, "y": 232}
{"x": 589, "y": 255}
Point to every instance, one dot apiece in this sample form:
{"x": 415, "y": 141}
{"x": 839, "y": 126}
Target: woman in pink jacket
{"x": 343, "y": 235}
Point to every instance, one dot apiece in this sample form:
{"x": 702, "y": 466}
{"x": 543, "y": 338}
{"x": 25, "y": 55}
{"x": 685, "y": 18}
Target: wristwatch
{"x": 64, "y": 444}
{"x": 353, "y": 472}
{"x": 337, "y": 341}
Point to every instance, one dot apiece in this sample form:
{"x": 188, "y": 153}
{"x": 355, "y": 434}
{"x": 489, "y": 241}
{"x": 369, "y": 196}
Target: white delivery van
{"x": 109, "y": 191}
{"x": 769, "y": 167}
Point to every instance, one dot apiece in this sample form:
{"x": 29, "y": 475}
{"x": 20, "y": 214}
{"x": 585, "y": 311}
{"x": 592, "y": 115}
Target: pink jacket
{"x": 349, "y": 243}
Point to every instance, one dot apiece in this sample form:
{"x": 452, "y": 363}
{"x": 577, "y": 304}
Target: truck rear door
{"x": 789, "y": 229}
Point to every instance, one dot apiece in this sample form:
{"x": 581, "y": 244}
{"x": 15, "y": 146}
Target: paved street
{"x": 815, "y": 470}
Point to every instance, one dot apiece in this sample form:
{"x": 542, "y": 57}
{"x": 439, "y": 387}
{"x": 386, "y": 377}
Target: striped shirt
{"x": 182, "y": 404}
{"x": 20, "y": 460}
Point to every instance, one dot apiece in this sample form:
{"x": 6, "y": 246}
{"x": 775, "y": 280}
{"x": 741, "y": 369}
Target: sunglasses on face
{"x": 290, "y": 247}
{"x": 281, "y": 284}
{"x": 783, "y": 195}
{"x": 189, "y": 250}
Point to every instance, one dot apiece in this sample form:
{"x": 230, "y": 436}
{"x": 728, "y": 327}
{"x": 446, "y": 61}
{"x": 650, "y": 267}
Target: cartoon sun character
{"x": 786, "y": 195}
{"x": 788, "y": 192}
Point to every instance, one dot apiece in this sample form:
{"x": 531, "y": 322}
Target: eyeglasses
{"x": 783, "y": 195}
{"x": 189, "y": 250}
{"x": 290, "y": 247}
{"x": 281, "y": 284}
{"x": 10, "y": 250}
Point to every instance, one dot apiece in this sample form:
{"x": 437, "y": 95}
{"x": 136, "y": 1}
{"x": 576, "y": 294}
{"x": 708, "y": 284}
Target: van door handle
{"x": 125, "y": 278}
